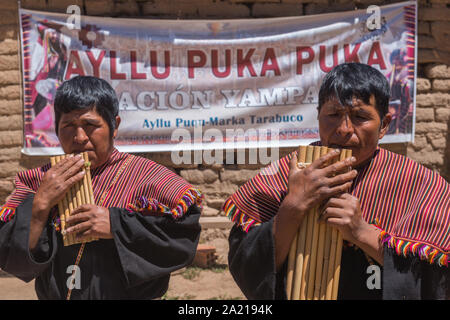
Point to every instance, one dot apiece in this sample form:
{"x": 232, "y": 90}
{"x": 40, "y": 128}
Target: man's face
{"x": 356, "y": 127}
{"x": 86, "y": 130}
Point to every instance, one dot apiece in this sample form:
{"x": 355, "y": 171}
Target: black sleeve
{"x": 150, "y": 247}
{"x": 251, "y": 260}
{"x": 15, "y": 256}
{"x": 408, "y": 278}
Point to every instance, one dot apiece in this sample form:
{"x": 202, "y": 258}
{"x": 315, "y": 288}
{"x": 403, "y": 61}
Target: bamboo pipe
{"x": 88, "y": 181}
{"x": 337, "y": 263}
{"x": 60, "y": 204}
{"x": 300, "y": 243}
{"x": 320, "y": 248}
{"x": 335, "y": 257}
{"x": 66, "y": 214}
{"x": 330, "y": 271}
{"x": 85, "y": 180}
{"x": 326, "y": 261}
{"x": 309, "y": 230}
{"x": 316, "y": 251}
{"x": 291, "y": 267}
{"x": 72, "y": 205}
{"x": 80, "y": 193}
{"x": 67, "y": 201}
{"x": 314, "y": 241}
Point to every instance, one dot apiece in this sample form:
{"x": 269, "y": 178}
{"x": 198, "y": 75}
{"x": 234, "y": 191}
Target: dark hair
{"x": 358, "y": 80}
{"x": 87, "y": 92}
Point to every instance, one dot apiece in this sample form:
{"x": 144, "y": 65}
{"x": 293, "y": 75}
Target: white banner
{"x": 222, "y": 84}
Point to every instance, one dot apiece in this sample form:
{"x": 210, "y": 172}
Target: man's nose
{"x": 80, "y": 136}
{"x": 346, "y": 126}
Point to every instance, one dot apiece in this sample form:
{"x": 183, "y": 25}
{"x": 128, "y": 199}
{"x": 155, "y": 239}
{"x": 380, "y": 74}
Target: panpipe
{"x": 314, "y": 260}
{"x": 80, "y": 193}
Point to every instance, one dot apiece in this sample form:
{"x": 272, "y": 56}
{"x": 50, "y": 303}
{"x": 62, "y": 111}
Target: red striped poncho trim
{"x": 409, "y": 203}
{"x": 144, "y": 186}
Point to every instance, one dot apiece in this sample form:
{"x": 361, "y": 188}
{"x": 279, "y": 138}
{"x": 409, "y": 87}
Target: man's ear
{"x": 116, "y": 128}
{"x": 384, "y": 125}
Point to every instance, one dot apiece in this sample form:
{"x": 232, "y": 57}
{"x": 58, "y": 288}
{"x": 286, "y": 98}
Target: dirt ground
{"x": 190, "y": 283}
{"x": 186, "y": 284}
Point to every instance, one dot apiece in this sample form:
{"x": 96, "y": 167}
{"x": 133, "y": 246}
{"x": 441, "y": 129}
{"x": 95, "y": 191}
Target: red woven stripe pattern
{"x": 409, "y": 202}
{"x": 140, "y": 179}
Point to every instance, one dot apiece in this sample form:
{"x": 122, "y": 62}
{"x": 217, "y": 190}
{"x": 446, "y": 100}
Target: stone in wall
{"x": 11, "y": 107}
{"x": 222, "y": 10}
{"x": 10, "y": 138}
{"x": 62, "y": 5}
{"x": 8, "y": 47}
{"x": 443, "y": 114}
{"x": 441, "y": 85}
{"x": 432, "y": 99}
{"x": 6, "y": 187}
{"x": 99, "y": 8}
{"x": 262, "y": 10}
{"x": 10, "y": 92}
{"x": 423, "y": 85}
{"x": 9, "y": 62}
{"x": 434, "y": 71}
{"x": 237, "y": 177}
{"x": 10, "y": 154}
{"x": 9, "y": 168}
{"x": 199, "y": 176}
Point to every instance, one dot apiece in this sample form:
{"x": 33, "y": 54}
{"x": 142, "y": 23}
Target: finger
{"x": 74, "y": 168}
{"x": 322, "y": 161}
{"x": 336, "y": 191}
{"x": 61, "y": 163}
{"x": 65, "y": 163}
{"x": 74, "y": 179}
{"x": 330, "y": 212}
{"x": 335, "y": 222}
{"x": 82, "y": 208}
{"x": 78, "y": 218}
{"x": 338, "y": 167}
{"x": 63, "y": 187}
{"x": 347, "y": 196}
{"x": 293, "y": 164}
{"x": 342, "y": 178}
{"x": 79, "y": 228}
{"x": 335, "y": 202}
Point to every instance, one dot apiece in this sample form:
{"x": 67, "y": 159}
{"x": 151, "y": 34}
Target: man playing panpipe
{"x": 145, "y": 217}
{"x": 393, "y": 213}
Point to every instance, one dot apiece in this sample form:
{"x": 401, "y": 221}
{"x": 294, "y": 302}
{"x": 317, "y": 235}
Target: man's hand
{"x": 54, "y": 185}
{"x": 310, "y": 186}
{"x": 307, "y": 188}
{"x": 90, "y": 220}
{"x": 344, "y": 213}
{"x": 56, "y": 181}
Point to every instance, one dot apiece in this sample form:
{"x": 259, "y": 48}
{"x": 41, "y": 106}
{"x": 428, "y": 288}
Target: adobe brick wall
{"x": 432, "y": 139}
